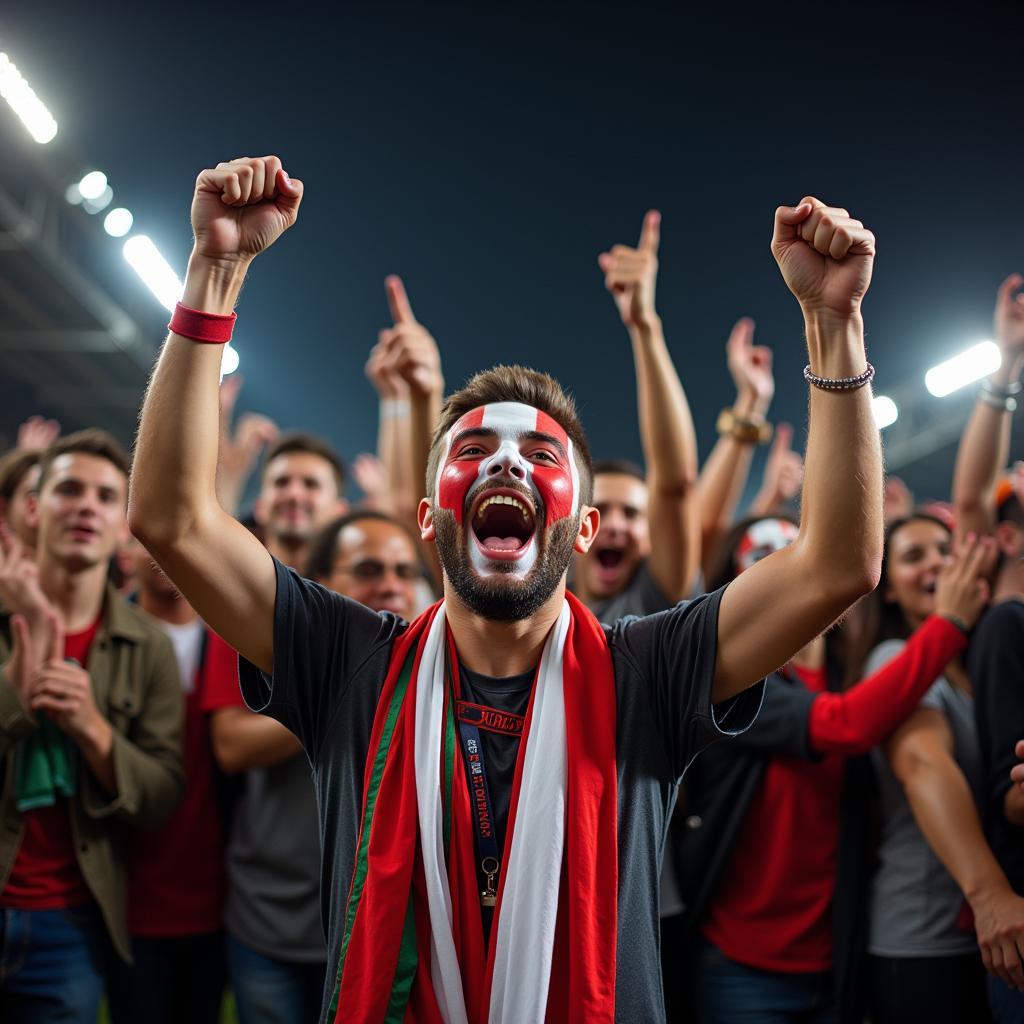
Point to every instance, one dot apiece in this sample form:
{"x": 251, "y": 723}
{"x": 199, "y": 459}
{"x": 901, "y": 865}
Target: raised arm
{"x": 413, "y": 354}
{"x": 724, "y": 474}
{"x": 985, "y": 445}
{"x": 239, "y": 209}
{"x": 921, "y": 756}
{"x": 784, "y": 601}
{"x": 666, "y": 427}
{"x": 783, "y": 475}
{"x": 240, "y": 446}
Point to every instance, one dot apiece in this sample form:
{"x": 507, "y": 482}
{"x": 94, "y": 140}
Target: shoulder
{"x": 1005, "y": 617}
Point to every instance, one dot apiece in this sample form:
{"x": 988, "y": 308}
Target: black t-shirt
{"x": 331, "y": 656}
{"x": 995, "y": 663}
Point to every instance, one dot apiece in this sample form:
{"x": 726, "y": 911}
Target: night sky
{"x": 489, "y": 153}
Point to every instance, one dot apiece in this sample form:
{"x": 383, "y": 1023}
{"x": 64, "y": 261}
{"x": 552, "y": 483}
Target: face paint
{"x": 504, "y": 440}
{"x": 764, "y": 538}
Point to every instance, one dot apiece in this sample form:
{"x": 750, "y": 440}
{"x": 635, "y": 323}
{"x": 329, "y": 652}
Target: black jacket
{"x": 719, "y": 788}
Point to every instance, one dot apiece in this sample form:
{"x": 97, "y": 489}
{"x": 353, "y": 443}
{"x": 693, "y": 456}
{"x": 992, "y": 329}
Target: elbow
{"x": 229, "y": 757}
{"x": 158, "y": 529}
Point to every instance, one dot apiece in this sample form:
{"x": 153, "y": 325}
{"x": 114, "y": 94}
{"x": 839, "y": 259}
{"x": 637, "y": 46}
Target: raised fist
{"x": 407, "y": 351}
{"x": 242, "y": 206}
{"x": 1009, "y": 317}
{"x": 825, "y": 256}
{"x": 750, "y": 366}
{"x": 631, "y": 275}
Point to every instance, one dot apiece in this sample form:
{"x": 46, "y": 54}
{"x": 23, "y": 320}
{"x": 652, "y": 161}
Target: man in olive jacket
{"x": 90, "y": 737}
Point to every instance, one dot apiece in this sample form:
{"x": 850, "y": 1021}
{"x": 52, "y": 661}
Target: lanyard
{"x": 483, "y": 815}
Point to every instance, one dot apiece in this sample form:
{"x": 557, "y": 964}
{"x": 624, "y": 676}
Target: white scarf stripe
{"x": 444, "y": 961}
{"x": 525, "y": 939}
{"x": 529, "y": 904}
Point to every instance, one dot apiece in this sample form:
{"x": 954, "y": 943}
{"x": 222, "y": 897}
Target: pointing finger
{"x": 650, "y": 233}
{"x": 398, "y": 301}
{"x": 783, "y": 438}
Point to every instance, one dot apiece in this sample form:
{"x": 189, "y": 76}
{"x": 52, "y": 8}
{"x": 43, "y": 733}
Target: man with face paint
{"x": 495, "y": 778}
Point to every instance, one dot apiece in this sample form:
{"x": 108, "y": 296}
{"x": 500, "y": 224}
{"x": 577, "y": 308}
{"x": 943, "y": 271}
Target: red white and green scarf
{"x": 412, "y": 948}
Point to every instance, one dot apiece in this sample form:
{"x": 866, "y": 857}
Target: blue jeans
{"x": 732, "y": 993}
{"x": 1007, "y": 1004}
{"x": 269, "y": 991}
{"x": 52, "y": 965}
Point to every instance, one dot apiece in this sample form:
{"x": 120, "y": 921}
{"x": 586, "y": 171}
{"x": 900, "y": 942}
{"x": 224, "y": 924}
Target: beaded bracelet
{"x": 839, "y": 383}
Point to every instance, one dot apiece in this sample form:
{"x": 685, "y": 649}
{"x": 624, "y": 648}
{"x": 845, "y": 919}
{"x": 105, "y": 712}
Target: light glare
{"x": 884, "y": 410}
{"x": 21, "y": 98}
{"x": 976, "y": 362}
{"x": 73, "y": 195}
{"x": 93, "y": 185}
{"x": 101, "y": 202}
{"x": 229, "y": 361}
{"x": 118, "y": 222}
{"x": 156, "y": 273}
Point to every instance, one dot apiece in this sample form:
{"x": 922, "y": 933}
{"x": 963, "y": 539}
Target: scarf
{"x": 412, "y": 946}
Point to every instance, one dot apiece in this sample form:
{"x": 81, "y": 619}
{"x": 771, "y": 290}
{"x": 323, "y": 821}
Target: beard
{"x": 502, "y": 597}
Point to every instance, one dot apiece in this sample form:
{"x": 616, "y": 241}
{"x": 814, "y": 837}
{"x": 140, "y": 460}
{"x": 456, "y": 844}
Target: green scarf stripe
{"x": 379, "y": 760}
{"x": 408, "y": 959}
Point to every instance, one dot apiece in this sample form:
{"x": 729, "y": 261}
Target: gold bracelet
{"x": 743, "y": 428}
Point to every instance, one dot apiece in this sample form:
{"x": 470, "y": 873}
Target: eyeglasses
{"x": 370, "y": 570}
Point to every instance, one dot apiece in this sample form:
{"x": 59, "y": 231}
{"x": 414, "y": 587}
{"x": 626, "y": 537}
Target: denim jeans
{"x": 172, "y": 980}
{"x": 52, "y": 965}
{"x": 1007, "y": 1004}
{"x": 270, "y": 991}
{"x": 732, "y": 993}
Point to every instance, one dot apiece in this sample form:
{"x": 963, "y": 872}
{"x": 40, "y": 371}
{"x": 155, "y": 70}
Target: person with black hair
{"x": 785, "y": 929}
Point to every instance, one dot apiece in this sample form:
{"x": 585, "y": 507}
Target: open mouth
{"x": 610, "y": 558}
{"x": 503, "y": 523}
{"x": 82, "y": 532}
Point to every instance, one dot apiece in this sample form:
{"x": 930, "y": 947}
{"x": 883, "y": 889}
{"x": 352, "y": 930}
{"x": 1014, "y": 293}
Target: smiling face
{"x": 298, "y": 497}
{"x": 80, "y": 511}
{"x": 506, "y": 510}
{"x": 917, "y": 552}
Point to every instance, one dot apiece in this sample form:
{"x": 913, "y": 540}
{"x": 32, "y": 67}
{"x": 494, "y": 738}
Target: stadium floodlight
{"x": 156, "y": 273}
{"x": 73, "y": 195}
{"x": 118, "y": 222}
{"x": 100, "y": 203}
{"x": 93, "y": 185}
{"x": 972, "y": 364}
{"x": 21, "y": 98}
{"x": 885, "y": 411}
{"x": 229, "y": 361}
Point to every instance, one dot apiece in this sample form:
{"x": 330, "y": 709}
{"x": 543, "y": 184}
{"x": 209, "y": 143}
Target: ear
{"x": 1008, "y": 539}
{"x": 425, "y": 518}
{"x": 590, "y": 523}
{"x": 32, "y": 511}
{"x": 342, "y": 507}
{"x": 124, "y": 535}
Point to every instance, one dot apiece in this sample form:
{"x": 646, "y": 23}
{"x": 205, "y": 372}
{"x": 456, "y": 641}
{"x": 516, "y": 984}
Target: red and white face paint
{"x": 508, "y": 440}
{"x": 764, "y": 538}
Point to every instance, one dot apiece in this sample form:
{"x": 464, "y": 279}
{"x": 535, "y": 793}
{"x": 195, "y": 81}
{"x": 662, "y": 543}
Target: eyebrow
{"x": 526, "y": 435}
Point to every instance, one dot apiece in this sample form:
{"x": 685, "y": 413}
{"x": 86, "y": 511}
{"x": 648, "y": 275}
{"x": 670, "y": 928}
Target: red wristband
{"x": 210, "y": 328}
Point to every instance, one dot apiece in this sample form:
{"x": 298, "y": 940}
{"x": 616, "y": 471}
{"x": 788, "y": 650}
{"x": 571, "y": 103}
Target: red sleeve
{"x": 220, "y": 676}
{"x": 859, "y": 719}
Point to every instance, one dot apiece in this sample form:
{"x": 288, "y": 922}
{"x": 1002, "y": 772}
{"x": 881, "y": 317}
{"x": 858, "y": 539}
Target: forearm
{"x": 944, "y": 810}
{"x": 984, "y": 450}
{"x": 175, "y": 466}
{"x": 855, "y": 721}
{"x": 425, "y": 411}
{"x": 666, "y": 426}
{"x": 841, "y": 505}
{"x": 244, "y": 740}
{"x": 393, "y": 450}
{"x": 97, "y": 747}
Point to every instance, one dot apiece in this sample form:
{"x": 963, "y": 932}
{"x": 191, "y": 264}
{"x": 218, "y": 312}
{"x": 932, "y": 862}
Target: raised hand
{"x": 371, "y": 476}
{"x": 241, "y": 207}
{"x": 750, "y": 367}
{"x": 407, "y": 350}
{"x": 1009, "y": 318}
{"x": 36, "y": 434}
{"x": 962, "y": 591}
{"x": 825, "y": 256}
{"x": 631, "y": 275}
{"x": 783, "y": 473}
{"x": 20, "y": 590}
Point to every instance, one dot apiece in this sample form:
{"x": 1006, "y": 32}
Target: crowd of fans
{"x": 856, "y": 854}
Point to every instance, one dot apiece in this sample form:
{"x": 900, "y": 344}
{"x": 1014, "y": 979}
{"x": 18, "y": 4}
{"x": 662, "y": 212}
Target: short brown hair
{"x": 13, "y": 467}
{"x": 86, "y": 442}
{"x": 296, "y": 441}
{"x": 515, "y": 384}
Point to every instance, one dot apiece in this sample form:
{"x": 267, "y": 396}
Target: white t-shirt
{"x": 187, "y": 641}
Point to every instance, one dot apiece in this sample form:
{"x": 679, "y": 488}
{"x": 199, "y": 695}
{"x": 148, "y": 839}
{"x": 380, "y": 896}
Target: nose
{"x": 507, "y": 460}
